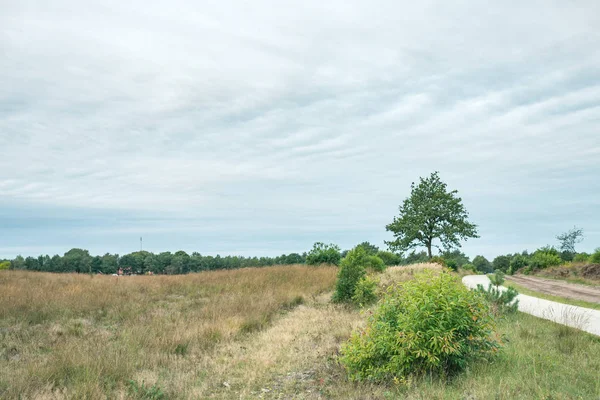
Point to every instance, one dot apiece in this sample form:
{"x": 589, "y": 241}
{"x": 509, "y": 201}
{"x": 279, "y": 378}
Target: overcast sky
{"x": 258, "y": 128}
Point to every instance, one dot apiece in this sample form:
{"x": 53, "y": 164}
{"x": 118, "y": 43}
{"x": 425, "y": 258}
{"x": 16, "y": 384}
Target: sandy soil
{"x": 558, "y": 288}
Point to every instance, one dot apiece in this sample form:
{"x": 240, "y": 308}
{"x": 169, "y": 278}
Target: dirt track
{"x": 558, "y": 288}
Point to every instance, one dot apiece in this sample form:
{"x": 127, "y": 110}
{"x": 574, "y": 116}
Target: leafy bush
{"x": 438, "y": 260}
{"x": 375, "y": 263}
{"x": 4, "y": 265}
{"x": 456, "y": 255}
{"x": 517, "y": 262}
{"x": 429, "y": 324}
{"x": 389, "y": 258}
{"x": 501, "y": 263}
{"x": 482, "y": 264}
{"x": 469, "y": 267}
{"x": 322, "y": 253}
{"x": 543, "y": 259}
{"x": 351, "y": 272}
{"x": 501, "y": 301}
{"x": 365, "y": 292}
{"x": 581, "y": 257}
{"x": 595, "y": 258}
{"x": 452, "y": 264}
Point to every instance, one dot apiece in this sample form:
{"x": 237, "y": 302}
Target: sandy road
{"x": 585, "y": 319}
{"x": 557, "y": 288}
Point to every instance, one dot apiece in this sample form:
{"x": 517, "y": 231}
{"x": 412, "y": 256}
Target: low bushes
{"x": 500, "y": 301}
{"x": 352, "y": 270}
{"x": 431, "y": 324}
{"x": 365, "y": 292}
{"x": 322, "y": 253}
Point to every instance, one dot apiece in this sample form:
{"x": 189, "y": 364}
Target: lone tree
{"x": 569, "y": 239}
{"x": 431, "y": 212}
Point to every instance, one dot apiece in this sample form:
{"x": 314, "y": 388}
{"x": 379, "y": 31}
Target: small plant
{"x": 365, "y": 292}
{"x": 501, "y": 301}
{"x": 141, "y": 391}
{"x": 181, "y": 349}
{"x": 431, "y": 324}
{"x": 351, "y": 272}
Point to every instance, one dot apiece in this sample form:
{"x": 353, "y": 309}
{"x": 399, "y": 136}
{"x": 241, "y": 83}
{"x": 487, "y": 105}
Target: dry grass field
{"x": 81, "y": 336}
{"x": 267, "y": 333}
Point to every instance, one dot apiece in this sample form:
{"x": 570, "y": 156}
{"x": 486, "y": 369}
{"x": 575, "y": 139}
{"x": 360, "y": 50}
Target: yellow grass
{"x": 81, "y": 336}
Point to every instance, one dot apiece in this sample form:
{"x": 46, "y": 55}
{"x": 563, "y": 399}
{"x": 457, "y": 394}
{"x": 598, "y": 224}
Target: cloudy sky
{"x": 258, "y": 128}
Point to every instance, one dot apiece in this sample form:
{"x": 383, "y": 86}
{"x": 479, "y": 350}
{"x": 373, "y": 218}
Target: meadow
{"x": 248, "y": 333}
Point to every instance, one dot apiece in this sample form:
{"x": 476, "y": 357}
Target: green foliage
{"x": 501, "y": 301}
{"x": 369, "y": 248}
{"x": 4, "y": 265}
{"x": 438, "y": 260}
{"x": 469, "y": 267}
{"x": 365, "y": 292}
{"x": 431, "y": 212}
{"x": 375, "y": 263}
{"x": 351, "y": 272}
{"x": 322, "y": 253}
{"x": 141, "y": 391}
{"x": 569, "y": 239}
{"x": 595, "y": 257}
{"x": 429, "y": 324}
{"x": 482, "y": 264}
{"x": 497, "y": 279}
{"x": 452, "y": 264}
{"x": 416, "y": 258}
{"x": 389, "y": 258}
{"x": 581, "y": 257}
{"x": 544, "y": 258}
{"x": 517, "y": 262}
{"x": 458, "y": 256}
{"x": 501, "y": 263}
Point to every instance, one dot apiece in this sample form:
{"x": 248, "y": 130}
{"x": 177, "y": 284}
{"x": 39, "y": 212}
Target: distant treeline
{"x": 180, "y": 262}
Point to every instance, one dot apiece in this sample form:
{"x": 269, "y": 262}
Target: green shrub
{"x": 501, "y": 301}
{"x": 351, "y": 272}
{"x": 595, "y": 258}
{"x": 375, "y": 263}
{"x": 4, "y": 265}
{"x": 438, "y": 260}
{"x": 365, "y": 292}
{"x": 322, "y": 253}
{"x": 469, "y": 267}
{"x": 429, "y": 324}
{"x": 452, "y": 264}
{"x": 542, "y": 259}
{"x": 482, "y": 264}
{"x": 581, "y": 257}
{"x": 517, "y": 262}
{"x": 389, "y": 258}
{"x": 501, "y": 263}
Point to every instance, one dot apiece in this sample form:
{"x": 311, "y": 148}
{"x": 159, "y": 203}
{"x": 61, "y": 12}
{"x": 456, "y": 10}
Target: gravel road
{"x": 577, "y": 317}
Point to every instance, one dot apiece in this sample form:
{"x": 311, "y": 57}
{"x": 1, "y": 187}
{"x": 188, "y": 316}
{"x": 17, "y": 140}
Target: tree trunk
{"x": 429, "y": 248}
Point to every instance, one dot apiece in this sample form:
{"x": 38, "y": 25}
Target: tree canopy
{"x": 431, "y": 212}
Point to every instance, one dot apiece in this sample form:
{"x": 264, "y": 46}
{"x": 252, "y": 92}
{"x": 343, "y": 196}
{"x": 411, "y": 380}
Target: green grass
{"x": 540, "y": 360}
{"x": 558, "y": 299}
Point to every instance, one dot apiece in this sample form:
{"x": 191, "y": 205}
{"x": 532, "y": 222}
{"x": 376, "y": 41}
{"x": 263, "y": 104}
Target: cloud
{"x": 293, "y": 123}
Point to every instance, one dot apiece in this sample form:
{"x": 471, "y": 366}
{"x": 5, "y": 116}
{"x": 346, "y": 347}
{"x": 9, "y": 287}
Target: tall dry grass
{"x": 81, "y": 336}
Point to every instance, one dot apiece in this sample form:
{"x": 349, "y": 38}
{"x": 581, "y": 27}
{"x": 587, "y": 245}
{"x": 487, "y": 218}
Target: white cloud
{"x": 312, "y": 116}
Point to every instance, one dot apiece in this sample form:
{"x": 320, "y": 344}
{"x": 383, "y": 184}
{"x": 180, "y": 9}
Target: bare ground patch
{"x": 557, "y": 288}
